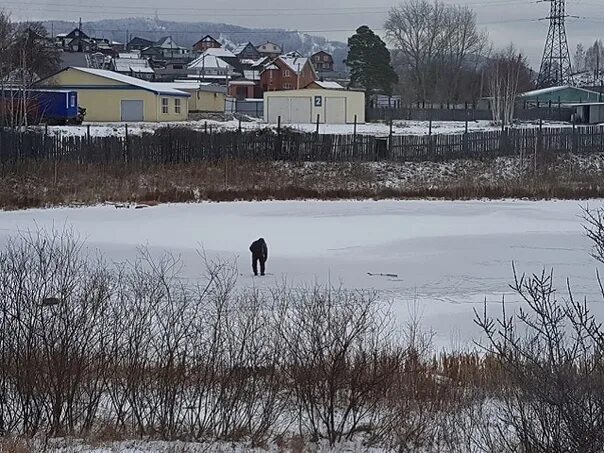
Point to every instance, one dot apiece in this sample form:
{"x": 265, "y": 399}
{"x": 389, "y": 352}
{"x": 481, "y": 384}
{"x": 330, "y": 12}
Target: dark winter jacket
{"x": 259, "y": 249}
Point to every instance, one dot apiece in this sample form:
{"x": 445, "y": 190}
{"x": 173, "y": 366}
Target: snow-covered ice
{"x": 449, "y": 256}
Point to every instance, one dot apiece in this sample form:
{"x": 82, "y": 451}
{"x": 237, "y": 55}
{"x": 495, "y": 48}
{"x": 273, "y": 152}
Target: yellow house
{"x": 111, "y": 97}
{"x": 204, "y": 97}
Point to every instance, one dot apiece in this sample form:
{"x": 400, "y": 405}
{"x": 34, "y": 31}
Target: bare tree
{"x": 507, "y": 75}
{"x": 26, "y": 55}
{"x": 436, "y": 45}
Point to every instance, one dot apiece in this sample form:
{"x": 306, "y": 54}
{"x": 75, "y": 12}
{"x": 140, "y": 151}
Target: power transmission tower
{"x": 556, "y": 68}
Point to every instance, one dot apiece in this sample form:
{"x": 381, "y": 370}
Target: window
{"x": 326, "y": 58}
{"x": 72, "y": 100}
{"x": 165, "y": 106}
{"x": 287, "y": 86}
{"x": 287, "y": 73}
{"x": 177, "y": 107}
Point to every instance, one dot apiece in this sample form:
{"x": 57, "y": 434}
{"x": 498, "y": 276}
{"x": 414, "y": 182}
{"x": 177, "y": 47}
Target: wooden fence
{"x": 551, "y": 112}
{"x": 175, "y": 145}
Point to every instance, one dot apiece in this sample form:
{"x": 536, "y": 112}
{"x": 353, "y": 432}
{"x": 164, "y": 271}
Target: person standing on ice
{"x": 259, "y": 251}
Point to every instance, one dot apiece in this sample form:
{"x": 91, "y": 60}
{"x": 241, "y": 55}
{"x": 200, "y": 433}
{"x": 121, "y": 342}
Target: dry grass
{"x": 49, "y": 184}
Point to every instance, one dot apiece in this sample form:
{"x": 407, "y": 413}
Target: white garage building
{"x": 331, "y": 106}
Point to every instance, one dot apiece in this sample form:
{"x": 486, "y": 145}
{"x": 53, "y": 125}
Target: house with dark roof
{"x": 247, "y": 52}
{"x": 75, "y": 41}
{"x": 205, "y": 43}
{"x": 169, "y": 48}
{"x": 323, "y": 62}
{"x": 138, "y": 43}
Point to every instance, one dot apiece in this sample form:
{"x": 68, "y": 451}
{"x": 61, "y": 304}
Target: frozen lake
{"x": 449, "y": 256}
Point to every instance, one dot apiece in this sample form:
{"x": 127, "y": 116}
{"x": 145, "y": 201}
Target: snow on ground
{"x": 448, "y": 256}
{"x": 378, "y": 129}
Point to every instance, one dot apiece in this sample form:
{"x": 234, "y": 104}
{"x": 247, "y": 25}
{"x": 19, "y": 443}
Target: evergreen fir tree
{"x": 369, "y": 62}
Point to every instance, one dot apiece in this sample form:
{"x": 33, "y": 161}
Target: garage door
{"x": 335, "y": 110}
{"x": 133, "y": 110}
{"x": 291, "y": 110}
{"x": 300, "y": 110}
{"x": 277, "y": 107}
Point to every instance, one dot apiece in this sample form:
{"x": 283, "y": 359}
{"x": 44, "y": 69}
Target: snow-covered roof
{"x": 249, "y": 62}
{"x": 188, "y": 85}
{"x": 208, "y": 76}
{"x": 549, "y": 90}
{"x": 212, "y": 58}
{"x": 209, "y": 62}
{"x": 259, "y": 63}
{"x": 133, "y": 55}
{"x": 133, "y": 64}
{"x": 240, "y": 48}
{"x": 242, "y": 82}
{"x": 296, "y": 64}
{"x": 251, "y": 74}
{"x": 156, "y": 88}
{"x": 219, "y": 52}
{"x": 329, "y": 85}
{"x": 582, "y": 104}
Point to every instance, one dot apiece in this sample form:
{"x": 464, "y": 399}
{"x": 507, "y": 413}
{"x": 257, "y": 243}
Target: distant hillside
{"x": 188, "y": 33}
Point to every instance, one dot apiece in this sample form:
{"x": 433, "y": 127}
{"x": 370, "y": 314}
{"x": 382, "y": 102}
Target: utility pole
{"x": 556, "y": 66}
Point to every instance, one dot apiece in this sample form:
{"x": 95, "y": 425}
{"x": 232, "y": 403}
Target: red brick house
{"x": 322, "y": 61}
{"x": 205, "y": 43}
{"x": 287, "y": 73}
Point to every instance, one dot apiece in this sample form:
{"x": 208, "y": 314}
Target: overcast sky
{"x": 506, "y": 20}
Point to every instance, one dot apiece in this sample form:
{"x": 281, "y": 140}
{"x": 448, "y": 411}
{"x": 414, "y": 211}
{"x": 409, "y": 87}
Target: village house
{"x": 169, "y": 48}
{"x": 287, "y": 73}
{"x": 75, "y": 41}
{"x": 139, "y": 44}
{"x": 110, "y": 97}
{"x": 133, "y": 65}
{"x": 205, "y": 43}
{"x": 323, "y": 62}
{"x": 247, "y": 52}
{"x": 216, "y": 65}
{"x": 270, "y": 50}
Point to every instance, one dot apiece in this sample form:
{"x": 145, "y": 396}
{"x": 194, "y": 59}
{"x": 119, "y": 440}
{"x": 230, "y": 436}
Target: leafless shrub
{"x": 135, "y": 349}
{"x": 53, "y": 345}
{"x": 339, "y": 355}
{"x": 551, "y": 353}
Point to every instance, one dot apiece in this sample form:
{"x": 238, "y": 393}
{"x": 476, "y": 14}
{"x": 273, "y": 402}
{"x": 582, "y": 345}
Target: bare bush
{"x": 54, "y": 344}
{"x": 339, "y": 355}
{"x": 136, "y": 349}
{"x": 551, "y": 353}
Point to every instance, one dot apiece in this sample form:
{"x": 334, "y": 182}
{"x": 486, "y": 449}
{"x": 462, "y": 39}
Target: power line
{"x": 339, "y": 10}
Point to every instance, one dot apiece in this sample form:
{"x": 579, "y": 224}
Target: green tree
{"x": 369, "y": 62}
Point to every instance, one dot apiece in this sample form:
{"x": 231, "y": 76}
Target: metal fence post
{"x": 354, "y": 133}
{"x": 277, "y": 150}
{"x": 575, "y": 138}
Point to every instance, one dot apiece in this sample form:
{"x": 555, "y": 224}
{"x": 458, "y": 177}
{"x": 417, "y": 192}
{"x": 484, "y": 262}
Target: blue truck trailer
{"x": 44, "y": 106}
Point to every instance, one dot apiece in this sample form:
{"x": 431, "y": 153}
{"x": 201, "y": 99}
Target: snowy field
{"x": 377, "y": 129}
{"x": 447, "y": 256}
